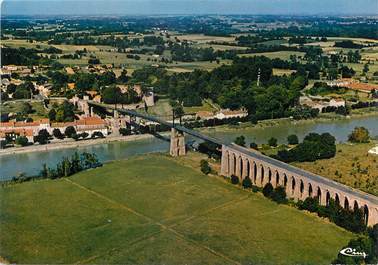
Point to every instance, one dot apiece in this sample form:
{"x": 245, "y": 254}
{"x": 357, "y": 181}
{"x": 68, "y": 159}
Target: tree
{"x": 272, "y": 142}
{"x": 124, "y": 131}
{"x": 123, "y": 77}
{"x": 58, "y": 134}
{"x": 52, "y": 115}
{"x": 111, "y": 95}
{"x": 240, "y": 140}
{"x": 292, "y": 139}
{"x": 97, "y": 134}
{"x": 234, "y": 179}
{"x": 59, "y": 116}
{"x": 247, "y": 183}
{"x": 205, "y": 167}
{"x": 42, "y": 137}
{"x": 21, "y": 93}
{"x": 3, "y": 144}
{"x": 279, "y": 195}
{"x": 253, "y": 146}
{"x": 268, "y": 190}
{"x": 94, "y": 61}
{"x": 70, "y": 131}
{"x": 107, "y": 78}
{"x": 84, "y": 135}
{"x": 359, "y": 135}
{"x": 366, "y": 69}
{"x": 22, "y": 140}
{"x": 26, "y": 108}
{"x": 11, "y": 88}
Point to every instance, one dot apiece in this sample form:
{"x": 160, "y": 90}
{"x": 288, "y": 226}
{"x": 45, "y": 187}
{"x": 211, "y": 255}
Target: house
{"x": 13, "y": 134}
{"x": 226, "y": 114}
{"x": 321, "y": 103}
{"x": 365, "y": 87}
{"x": 97, "y": 98}
{"x": 69, "y": 71}
{"x": 71, "y": 86}
{"x": 204, "y": 115}
{"x": 30, "y": 129}
{"x": 44, "y": 90}
{"x": 86, "y": 124}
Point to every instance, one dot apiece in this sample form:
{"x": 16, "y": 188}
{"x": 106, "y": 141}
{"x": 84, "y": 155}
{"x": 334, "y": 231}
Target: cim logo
{"x": 351, "y": 252}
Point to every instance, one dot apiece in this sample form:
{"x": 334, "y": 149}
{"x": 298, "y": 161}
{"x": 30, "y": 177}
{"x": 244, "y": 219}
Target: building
{"x": 353, "y": 84}
{"x": 321, "y": 103}
{"x": 226, "y": 114}
{"x": 30, "y": 129}
{"x": 204, "y": 115}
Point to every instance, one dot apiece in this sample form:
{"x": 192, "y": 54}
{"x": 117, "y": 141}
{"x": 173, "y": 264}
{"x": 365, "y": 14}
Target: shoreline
{"x": 72, "y": 144}
{"x": 220, "y": 128}
{"x": 276, "y": 122}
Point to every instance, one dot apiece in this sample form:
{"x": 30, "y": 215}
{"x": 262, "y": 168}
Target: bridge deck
{"x": 304, "y": 173}
{"x": 269, "y": 160}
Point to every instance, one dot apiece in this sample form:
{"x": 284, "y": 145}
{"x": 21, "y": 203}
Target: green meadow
{"x": 153, "y": 209}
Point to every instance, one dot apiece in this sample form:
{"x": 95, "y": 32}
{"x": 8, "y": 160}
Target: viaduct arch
{"x": 242, "y": 162}
{"x": 299, "y": 184}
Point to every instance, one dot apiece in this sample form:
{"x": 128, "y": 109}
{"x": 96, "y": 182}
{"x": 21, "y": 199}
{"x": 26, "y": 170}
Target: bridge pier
{"x": 177, "y": 147}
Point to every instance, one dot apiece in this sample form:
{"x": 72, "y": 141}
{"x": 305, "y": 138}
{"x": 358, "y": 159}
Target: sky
{"x": 155, "y": 7}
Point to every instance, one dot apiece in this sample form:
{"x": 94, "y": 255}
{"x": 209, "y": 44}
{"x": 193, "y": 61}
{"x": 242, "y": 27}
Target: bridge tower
{"x": 177, "y": 147}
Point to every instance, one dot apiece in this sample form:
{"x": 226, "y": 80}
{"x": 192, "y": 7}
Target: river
{"x": 31, "y": 163}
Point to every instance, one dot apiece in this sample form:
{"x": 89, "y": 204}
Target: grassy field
{"x": 153, "y": 209}
{"x": 283, "y": 55}
{"x": 352, "y": 166}
{"x": 39, "y": 110}
{"x": 200, "y": 38}
{"x": 281, "y": 72}
{"x": 206, "y": 106}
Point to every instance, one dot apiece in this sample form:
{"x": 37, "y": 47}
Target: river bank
{"x": 328, "y": 117}
{"x": 68, "y": 143}
{"x": 72, "y": 144}
{"x": 116, "y": 149}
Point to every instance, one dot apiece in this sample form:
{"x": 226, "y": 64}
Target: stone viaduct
{"x": 299, "y": 184}
{"x": 261, "y": 169}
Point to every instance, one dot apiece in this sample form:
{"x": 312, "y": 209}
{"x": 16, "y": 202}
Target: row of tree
{"x": 314, "y": 146}
{"x": 65, "y": 168}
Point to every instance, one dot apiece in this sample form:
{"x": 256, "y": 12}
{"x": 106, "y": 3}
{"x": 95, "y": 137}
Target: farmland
{"x": 105, "y": 216}
{"x": 352, "y": 166}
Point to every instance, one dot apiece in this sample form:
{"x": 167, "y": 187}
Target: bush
{"x": 247, "y": 183}
{"x": 279, "y": 195}
{"x": 272, "y": 142}
{"x": 310, "y": 204}
{"x": 240, "y": 140}
{"x": 292, "y": 139}
{"x": 234, "y": 180}
{"x": 359, "y": 135}
{"x": 255, "y": 188}
{"x": 205, "y": 168}
{"x": 42, "y": 137}
{"x": 313, "y": 147}
{"x": 22, "y": 140}
{"x": 253, "y": 146}
{"x": 75, "y": 137}
{"x": 268, "y": 190}
{"x": 97, "y": 135}
{"x": 3, "y": 143}
{"x": 58, "y": 134}
{"x": 70, "y": 131}
{"x": 124, "y": 131}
